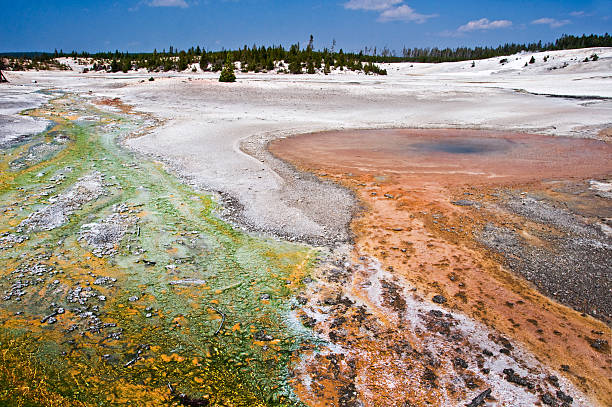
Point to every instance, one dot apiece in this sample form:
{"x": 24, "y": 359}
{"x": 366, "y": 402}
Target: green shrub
{"x": 227, "y": 74}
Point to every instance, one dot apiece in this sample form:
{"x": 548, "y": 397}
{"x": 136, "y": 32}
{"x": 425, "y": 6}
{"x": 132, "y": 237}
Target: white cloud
{"x": 553, "y": 23}
{"x": 390, "y": 10}
{"x": 484, "y": 24}
{"x": 371, "y": 4}
{"x": 167, "y": 3}
{"x": 577, "y": 14}
{"x": 404, "y": 13}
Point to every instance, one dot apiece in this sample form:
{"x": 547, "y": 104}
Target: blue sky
{"x": 141, "y": 25}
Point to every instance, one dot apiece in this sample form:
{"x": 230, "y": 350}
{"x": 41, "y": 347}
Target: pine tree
{"x": 341, "y": 60}
{"x": 311, "y": 68}
{"x": 217, "y": 66}
{"x": 183, "y": 61}
{"x": 295, "y": 65}
{"x": 126, "y": 64}
{"x": 227, "y": 74}
{"x": 269, "y": 64}
{"x": 204, "y": 61}
{"x": 114, "y": 66}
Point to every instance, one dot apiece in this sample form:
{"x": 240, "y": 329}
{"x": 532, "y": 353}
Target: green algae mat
{"x": 121, "y": 286}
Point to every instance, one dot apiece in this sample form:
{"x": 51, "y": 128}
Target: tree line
{"x": 465, "y": 54}
{"x": 297, "y": 59}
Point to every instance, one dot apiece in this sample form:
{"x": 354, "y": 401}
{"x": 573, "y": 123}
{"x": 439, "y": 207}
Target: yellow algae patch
{"x": 126, "y": 330}
{"x": 172, "y": 358}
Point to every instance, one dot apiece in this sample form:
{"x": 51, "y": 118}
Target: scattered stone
{"x": 548, "y": 399}
{"x": 464, "y": 202}
{"x": 308, "y": 322}
{"x": 512, "y": 377}
{"x": 564, "y": 397}
{"x": 480, "y": 399}
{"x": 104, "y": 281}
{"x": 439, "y": 299}
{"x": 429, "y": 375}
{"x": 600, "y": 345}
{"x": 8, "y": 240}
{"x": 554, "y": 380}
{"x": 262, "y": 336}
{"x": 458, "y": 362}
{"x": 436, "y": 313}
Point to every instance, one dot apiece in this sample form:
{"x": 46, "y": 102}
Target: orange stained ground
{"x": 404, "y": 176}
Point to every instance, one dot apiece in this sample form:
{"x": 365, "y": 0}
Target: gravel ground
{"x": 573, "y": 266}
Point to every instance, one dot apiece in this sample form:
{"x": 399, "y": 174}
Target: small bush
{"x": 532, "y": 60}
{"x": 227, "y": 74}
